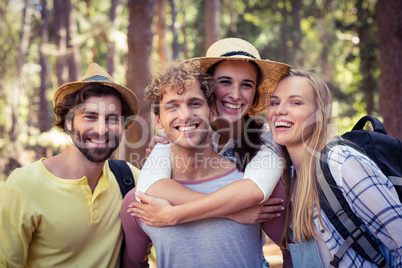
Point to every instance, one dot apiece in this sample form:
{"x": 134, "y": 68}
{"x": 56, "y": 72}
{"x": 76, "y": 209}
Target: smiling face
{"x": 96, "y": 127}
{"x": 289, "y": 114}
{"x": 185, "y": 117}
{"x": 236, "y": 86}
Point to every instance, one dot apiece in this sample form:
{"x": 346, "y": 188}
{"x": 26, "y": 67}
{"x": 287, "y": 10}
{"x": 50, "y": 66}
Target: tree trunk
{"x": 283, "y": 35}
{"x": 183, "y": 28}
{"x": 296, "y": 28}
{"x": 161, "y": 29}
{"x": 16, "y": 92}
{"x": 73, "y": 51}
{"x": 60, "y": 41}
{"x": 212, "y": 22}
{"x": 368, "y": 46}
{"x": 139, "y": 38}
{"x": 14, "y": 148}
{"x": 389, "y": 17}
{"x": 111, "y": 52}
{"x": 175, "y": 43}
{"x": 44, "y": 121}
{"x": 325, "y": 39}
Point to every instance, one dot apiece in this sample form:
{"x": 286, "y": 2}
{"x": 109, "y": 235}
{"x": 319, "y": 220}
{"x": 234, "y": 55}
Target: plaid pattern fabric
{"x": 228, "y": 149}
{"x": 373, "y": 199}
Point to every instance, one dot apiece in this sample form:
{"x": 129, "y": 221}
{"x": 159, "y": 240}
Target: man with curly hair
{"x": 64, "y": 211}
{"x": 182, "y": 98}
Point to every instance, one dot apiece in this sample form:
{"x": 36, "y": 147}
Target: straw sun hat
{"x": 238, "y": 49}
{"x": 95, "y": 74}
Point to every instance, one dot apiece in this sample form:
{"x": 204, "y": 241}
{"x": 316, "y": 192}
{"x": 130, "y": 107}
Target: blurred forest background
{"x": 355, "y": 45}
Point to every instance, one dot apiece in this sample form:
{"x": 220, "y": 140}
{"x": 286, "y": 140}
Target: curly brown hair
{"x": 67, "y": 107}
{"x": 178, "y": 75}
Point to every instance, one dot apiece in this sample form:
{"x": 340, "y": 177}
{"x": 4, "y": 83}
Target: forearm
{"x": 177, "y": 194}
{"x": 231, "y": 198}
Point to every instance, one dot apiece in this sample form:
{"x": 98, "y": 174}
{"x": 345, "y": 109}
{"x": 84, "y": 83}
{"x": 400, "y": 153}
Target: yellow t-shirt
{"x": 46, "y": 221}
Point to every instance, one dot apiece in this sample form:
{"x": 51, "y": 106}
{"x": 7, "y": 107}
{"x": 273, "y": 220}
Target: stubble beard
{"x": 95, "y": 155}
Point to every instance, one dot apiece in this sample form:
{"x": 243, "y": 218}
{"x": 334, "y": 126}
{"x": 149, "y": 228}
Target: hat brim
{"x": 128, "y": 96}
{"x": 271, "y": 72}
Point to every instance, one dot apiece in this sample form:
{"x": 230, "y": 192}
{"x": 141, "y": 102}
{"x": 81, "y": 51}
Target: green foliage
{"x": 9, "y": 36}
{"x": 329, "y": 45}
{"x": 195, "y": 25}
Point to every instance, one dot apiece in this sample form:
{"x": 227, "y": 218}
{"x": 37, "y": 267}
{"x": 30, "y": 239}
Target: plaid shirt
{"x": 373, "y": 199}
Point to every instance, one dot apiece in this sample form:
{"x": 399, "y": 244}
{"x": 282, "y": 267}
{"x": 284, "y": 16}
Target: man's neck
{"x": 197, "y": 164}
{"x": 73, "y": 165}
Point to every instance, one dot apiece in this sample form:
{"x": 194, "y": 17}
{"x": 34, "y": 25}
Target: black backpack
{"x": 123, "y": 175}
{"x": 386, "y": 152}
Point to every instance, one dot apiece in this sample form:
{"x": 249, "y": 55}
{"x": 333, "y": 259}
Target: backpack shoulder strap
{"x": 125, "y": 178}
{"x": 123, "y": 174}
{"x": 342, "y": 217}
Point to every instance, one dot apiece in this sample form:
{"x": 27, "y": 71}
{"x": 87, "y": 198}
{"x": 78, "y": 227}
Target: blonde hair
{"x": 304, "y": 194}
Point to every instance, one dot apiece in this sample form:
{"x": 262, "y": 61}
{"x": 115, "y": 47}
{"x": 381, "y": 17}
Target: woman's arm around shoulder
{"x": 157, "y": 166}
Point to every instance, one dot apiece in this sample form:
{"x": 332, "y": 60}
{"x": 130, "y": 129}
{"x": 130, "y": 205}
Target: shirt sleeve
{"x": 18, "y": 221}
{"x": 266, "y": 167}
{"x": 137, "y": 243}
{"x": 135, "y": 171}
{"x": 371, "y": 196}
{"x": 157, "y": 166}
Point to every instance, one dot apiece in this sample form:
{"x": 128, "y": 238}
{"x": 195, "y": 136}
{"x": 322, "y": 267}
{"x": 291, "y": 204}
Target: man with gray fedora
{"x": 64, "y": 211}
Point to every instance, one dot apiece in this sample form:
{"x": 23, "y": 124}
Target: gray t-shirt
{"x": 215, "y": 242}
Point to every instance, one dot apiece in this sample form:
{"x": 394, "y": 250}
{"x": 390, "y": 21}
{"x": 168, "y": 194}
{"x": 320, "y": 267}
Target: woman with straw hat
{"x": 244, "y": 85}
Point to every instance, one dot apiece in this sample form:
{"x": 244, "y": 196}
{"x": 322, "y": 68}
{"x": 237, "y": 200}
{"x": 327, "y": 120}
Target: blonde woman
{"x": 299, "y": 117}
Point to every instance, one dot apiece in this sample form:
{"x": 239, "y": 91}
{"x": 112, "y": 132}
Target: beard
{"x": 95, "y": 154}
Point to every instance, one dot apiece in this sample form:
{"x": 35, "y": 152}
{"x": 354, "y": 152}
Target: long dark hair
{"x": 250, "y": 142}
